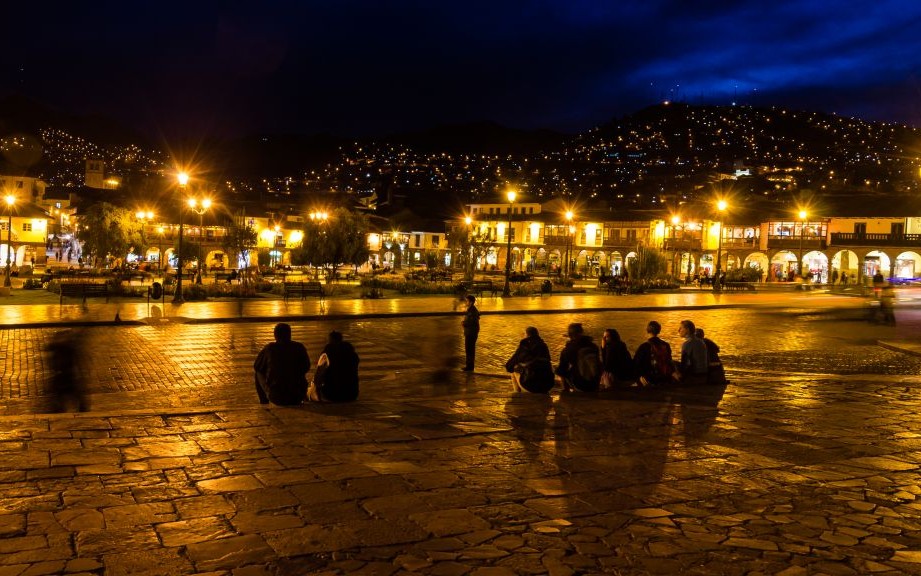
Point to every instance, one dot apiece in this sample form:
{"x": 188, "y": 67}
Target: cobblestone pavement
{"x": 807, "y": 463}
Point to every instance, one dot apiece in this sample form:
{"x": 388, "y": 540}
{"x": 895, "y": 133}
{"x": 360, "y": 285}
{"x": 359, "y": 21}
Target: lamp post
{"x": 572, "y": 230}
{"x": 508, "y": 254}
{"x": 469, "y": 222}
{"x": 802, "y": 232}
{"x": 200, "y": 207}
{"x": 10, "y": 200}
{"x": 721, "y": 207}
{"x": 183, "y": 180}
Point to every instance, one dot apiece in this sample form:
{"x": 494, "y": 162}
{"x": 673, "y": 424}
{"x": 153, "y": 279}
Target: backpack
{"x": 588, "y": 363}
{"x": 661, "y": 360}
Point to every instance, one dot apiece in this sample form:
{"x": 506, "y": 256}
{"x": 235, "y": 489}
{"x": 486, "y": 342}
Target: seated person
{"x": 653, "y": 359}
{"x": 694, "y": 365}
{"x": 716, "y": 374}
{"x": 336, "y": 379}
{"x": 616, "y": 361}
{"x": 580, "y": 361}
{"x": 530, "y": 364}
{"x": 281, "y": 370}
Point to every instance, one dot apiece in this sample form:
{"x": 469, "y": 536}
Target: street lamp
{"x": 508, "y": 255}
{"x": 572, "y": 230}
{"x": 321, "y": 217}
{"x": 676, "y": 263}
{"x": 183, "y": 180}
{"x": 10, "y": 200}
{"x": 721, "y": 207}
{"x": 802, "y": 232}
{"x": 470, "y": 268}
{"x": 200, "y": 207}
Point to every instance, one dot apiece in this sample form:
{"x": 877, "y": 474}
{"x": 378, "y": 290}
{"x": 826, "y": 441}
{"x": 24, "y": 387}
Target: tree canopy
{"x": 109, "y": 230}
{"x": 340, "y": 239}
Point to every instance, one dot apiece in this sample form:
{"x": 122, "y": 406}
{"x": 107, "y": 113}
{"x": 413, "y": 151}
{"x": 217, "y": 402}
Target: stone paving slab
{"x": 632, "y": 483}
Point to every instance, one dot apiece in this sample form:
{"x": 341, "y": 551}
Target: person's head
{"x": 574, "y": 330}
{"x": 686, "y": 329}
{"x": 471, "y": 299}
{"x": 610, "y": 335}
{"x": 699, "y": 332}
{"x": 653, "y": 328}
{"x": 531, "y": 332}
{"x": 282, "y": 332}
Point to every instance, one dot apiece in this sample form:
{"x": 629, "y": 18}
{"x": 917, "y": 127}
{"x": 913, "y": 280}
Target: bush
{"x": 32, "y": 284}
{"x": 195, "y": 292}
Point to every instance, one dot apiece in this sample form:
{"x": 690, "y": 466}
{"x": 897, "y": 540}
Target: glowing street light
{"x": 802, "y": 232}
{"x": 10, "y": 201}
{"x": 183, "y": 180}
{"x": 572, "y": 230}
{"x": 200, "y": 207}
{"x": 506, "y": 292}
{"x": 721, "y": 208}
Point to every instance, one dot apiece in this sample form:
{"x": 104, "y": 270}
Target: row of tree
{"x": 112, "y": 232}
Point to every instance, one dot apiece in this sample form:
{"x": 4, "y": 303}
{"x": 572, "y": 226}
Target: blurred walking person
{"x": 67, "y": 390}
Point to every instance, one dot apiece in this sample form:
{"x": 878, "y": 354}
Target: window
{"x": 897, "y": 228}
{"x": 860, "y": 228}
{"x": 597, "y": 236}
{"x": 631, "y": 234}
{"x": 26, "y": 226}
{"x": 436, "y": 240}
{"x": 417, "y": 240}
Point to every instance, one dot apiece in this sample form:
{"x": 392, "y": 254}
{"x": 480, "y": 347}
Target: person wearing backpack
{"x": 653, "y": 358}
{"x": 580, "y": 361}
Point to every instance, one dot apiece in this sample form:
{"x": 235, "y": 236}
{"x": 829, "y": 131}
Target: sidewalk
{"x": 263, "y": 310}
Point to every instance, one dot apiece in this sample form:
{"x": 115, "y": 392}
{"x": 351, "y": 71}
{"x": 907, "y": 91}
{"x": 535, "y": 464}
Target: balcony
{"x": 740, "y": 243}
{"x": 682, "y": 244}
{"x": 854, "y": 239}
{"x": 795, "y": 242}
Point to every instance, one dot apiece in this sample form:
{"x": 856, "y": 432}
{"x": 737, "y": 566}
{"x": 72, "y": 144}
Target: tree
{"x": 107, "y": 230}
{"x": 470, "y": 247}
{"x": 239, "y": 241}
{"x": 649, "y": 264}
{"x": 340, "y": 239}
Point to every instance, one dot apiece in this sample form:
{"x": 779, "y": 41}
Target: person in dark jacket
{"x": 281, "y": 370}
{"x": 530, "y": 364}
{"x": 336, "y": 379}
{"x": 568, "y": 369}
{"x": 471, "y": 325}
{"x": 616, "y": 360}
{"x": 653, "y": 358}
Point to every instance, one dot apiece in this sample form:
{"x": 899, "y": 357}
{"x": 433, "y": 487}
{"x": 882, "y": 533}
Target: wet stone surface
{"x": 801, "y": 467}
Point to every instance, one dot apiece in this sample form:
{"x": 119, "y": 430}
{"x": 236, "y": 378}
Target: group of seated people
{"x": 281, "y": 371}
{"x": 584, "y": 366}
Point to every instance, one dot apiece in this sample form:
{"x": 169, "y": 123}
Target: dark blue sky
{"x": 363, "y": 67}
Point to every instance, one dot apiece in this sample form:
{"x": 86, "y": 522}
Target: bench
{"x": 81, "y": 289}
{"x": 478, "y": 287}
{"x": 226, "y": 276}
{"x": 303, "y": 289}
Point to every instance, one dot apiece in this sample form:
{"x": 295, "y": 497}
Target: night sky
{"x": 365, "y": 67}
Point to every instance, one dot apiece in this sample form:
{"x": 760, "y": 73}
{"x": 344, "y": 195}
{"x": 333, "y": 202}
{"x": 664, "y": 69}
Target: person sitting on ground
{"x": 616, "y": 361}
{"x": 694, "y": 365}
{"x": 530, "y": 365}
{"x": 580, "y": 361}
{"x": 653, "y": 358}
{"x": 281, "y": 370}
{"x": 336, "y": 379}
{"x": 716, "y": 374}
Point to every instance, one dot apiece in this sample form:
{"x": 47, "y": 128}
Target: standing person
{"x": 616, "y": 360}
{"x": 887, "y": 304}
{"x": 471, "y": 324}
{"x": 653, "y": 358}
{"x": 281, "y": 370}
{"x": 716, "y": 374}
{"x": 580, "y": 361}
{"x": 530, "y": 364}
{"x": 693, "y": 366}
{"x": 336, "y": 379}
